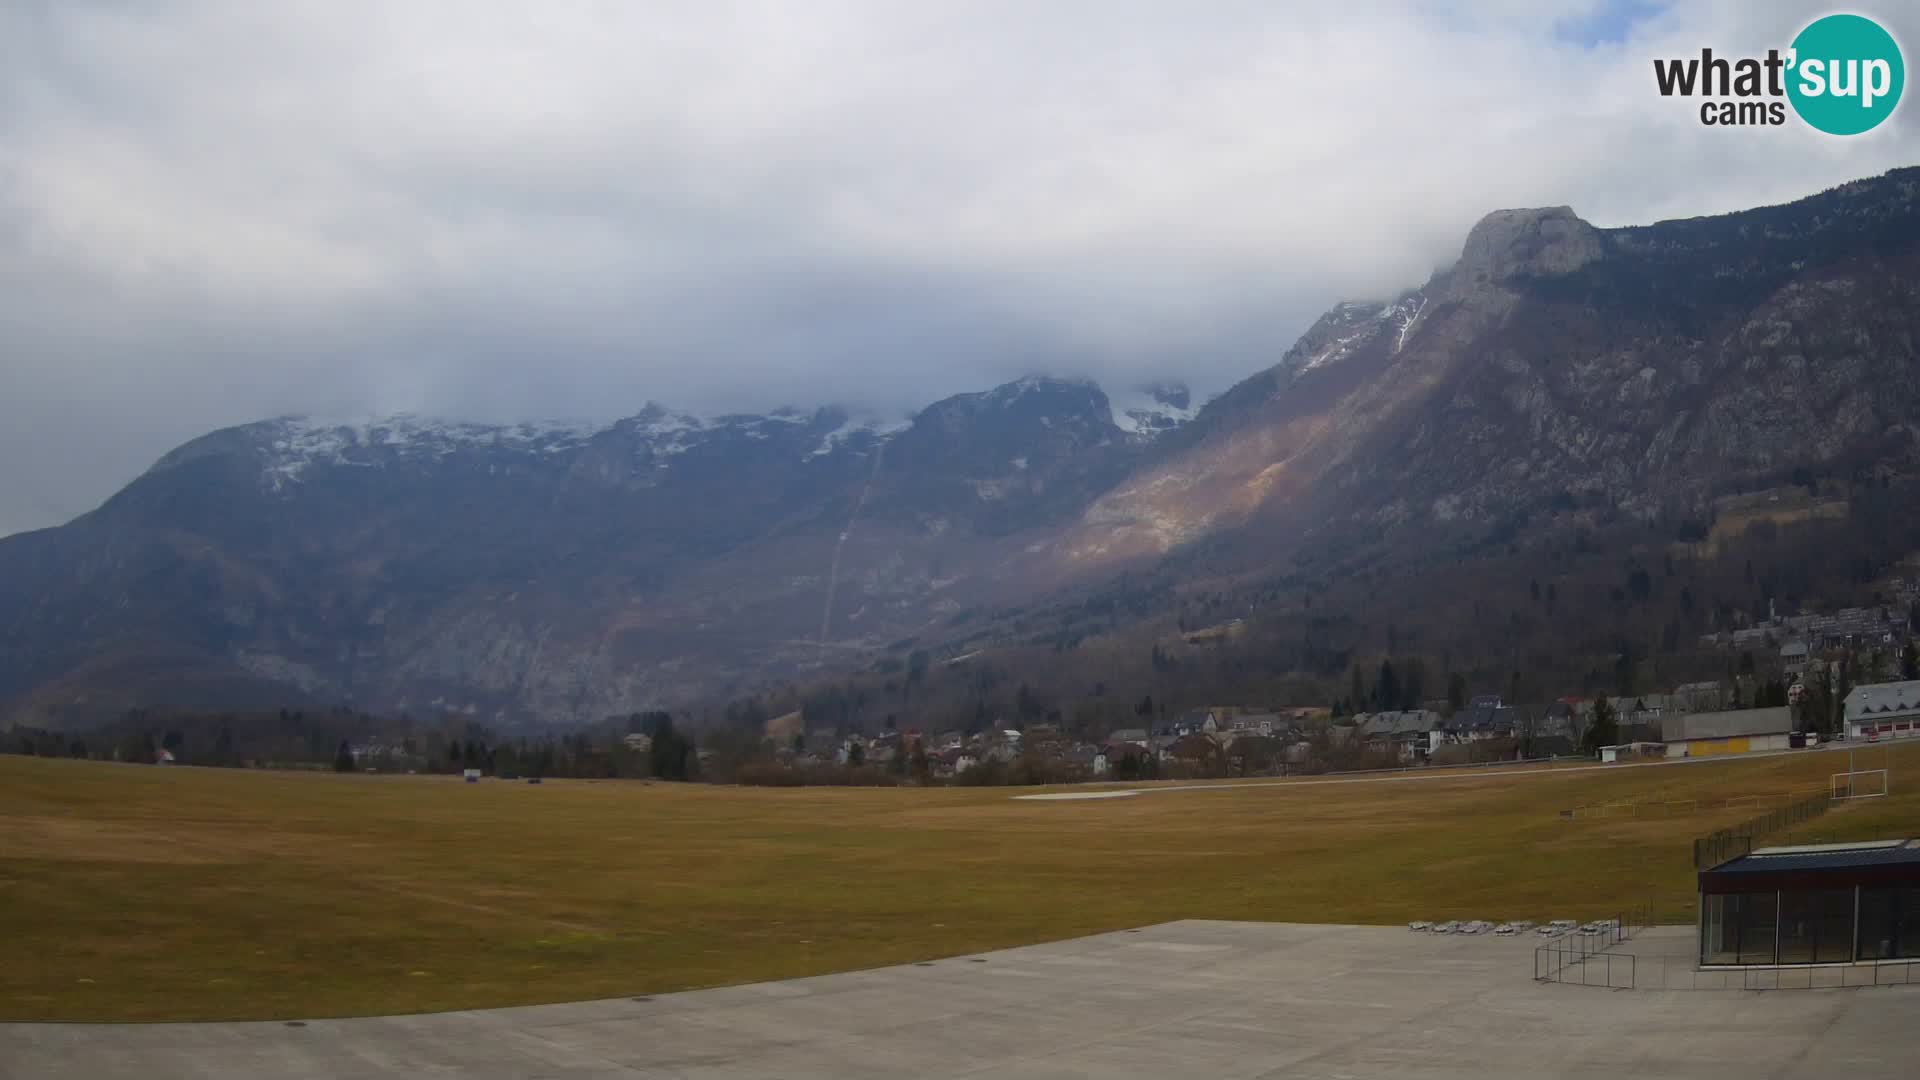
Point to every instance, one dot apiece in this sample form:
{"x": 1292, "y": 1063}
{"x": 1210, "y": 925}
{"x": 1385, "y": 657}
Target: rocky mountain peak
{"x": 1545, "y": 242}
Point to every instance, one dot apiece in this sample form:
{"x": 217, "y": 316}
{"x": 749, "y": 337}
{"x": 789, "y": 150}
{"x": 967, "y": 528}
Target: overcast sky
{"x": 212, "y": 213}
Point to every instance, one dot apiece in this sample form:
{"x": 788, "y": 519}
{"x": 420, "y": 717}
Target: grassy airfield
{"x": 137, "y": 893}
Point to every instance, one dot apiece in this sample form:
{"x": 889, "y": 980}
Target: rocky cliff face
{"x": 1645, "y": 368}
{"x": 1642, "y": 368}
{"x": 551, "y": 572}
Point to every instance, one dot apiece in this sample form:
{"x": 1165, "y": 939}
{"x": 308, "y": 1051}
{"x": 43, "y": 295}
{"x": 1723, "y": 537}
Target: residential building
{"x": 1793, "y": 656}
{"x": 1247, "y": 723}
{"x": 1195, "y": 721}
{"x": 1700, "y": 696}
{"x": 1882, "y": 711}
{"x": 1414, "y": 733}
{"x": 1486, "y": 718}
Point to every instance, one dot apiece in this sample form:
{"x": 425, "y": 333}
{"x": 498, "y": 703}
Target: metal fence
{"x": 1565, "y": 963}
{"x": 1663, "y": 808}
{"x": 1682, "y": 973}
{"x": 1597, "y": 960}
{"x": 1587, "y": 958}
{"x": 1737, "y": 840}
{"x": 1561, "y": 962}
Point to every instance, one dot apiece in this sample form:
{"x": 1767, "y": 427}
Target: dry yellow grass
{"x": 141, "y": 893}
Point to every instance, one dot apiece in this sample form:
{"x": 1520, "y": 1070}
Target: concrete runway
{"x": 1181, "y": 999}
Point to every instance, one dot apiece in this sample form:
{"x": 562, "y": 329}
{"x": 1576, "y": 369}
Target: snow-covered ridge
{"x": 288, "y": 447}
{"x": 874, "y": 426}
{"x": 295, "y": 443}
{"x": 1351, "y": 325}
{"x": 291, "y": 445}
{"x": 1152, "y": 410}
{"x": 1028, "y": 383}
{"x": 1143, "y": 410}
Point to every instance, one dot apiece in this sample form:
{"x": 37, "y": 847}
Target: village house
{"x": 1557, "y": 731}
{"x": 1486, "y": 718}
{"x": 1194, "y": 749}
{"x": 1700, "y": 696}
{"x": 1264, "y": 723}
{"x": 1883, "y": 711}
{"x": 1413, "y": 734}
{"x": 1794, "y": 656}
{"x": 1194, "y": 722}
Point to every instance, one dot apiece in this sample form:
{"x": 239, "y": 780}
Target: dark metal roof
{"x": 1828, "y": 858}
{"x": 1839, "y": 864}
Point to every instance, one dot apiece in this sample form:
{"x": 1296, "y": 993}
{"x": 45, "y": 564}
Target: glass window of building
{"x": 1719, "y": 935}
{"x": 1811, "y": 904}
{"x": 1879, "y": 924}
{"x": 1758, "y": 919}
{"x": 1816, "y": 927}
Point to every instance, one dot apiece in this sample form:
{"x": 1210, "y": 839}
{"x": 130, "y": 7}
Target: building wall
{"x": 1884, "y": 728}
{"x": 1743, "y": 744}
{"x": 1848, "y": 924}
{"x": 1732, "y": 724}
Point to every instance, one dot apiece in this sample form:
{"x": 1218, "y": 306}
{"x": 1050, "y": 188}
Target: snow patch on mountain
{"x": 1027, "y": 384}
{"x": 293, "y": 444}
{"x": 1352, "y": 326}
{"x": 1152, "y": 410}
{"x": 876, "y": 427}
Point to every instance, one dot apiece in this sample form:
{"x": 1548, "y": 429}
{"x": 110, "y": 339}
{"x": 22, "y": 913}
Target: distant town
{"x": 1794, "y": 681}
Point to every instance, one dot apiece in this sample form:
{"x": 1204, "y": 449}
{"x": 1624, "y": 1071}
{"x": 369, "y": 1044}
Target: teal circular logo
{"x": 1846, "y": 74}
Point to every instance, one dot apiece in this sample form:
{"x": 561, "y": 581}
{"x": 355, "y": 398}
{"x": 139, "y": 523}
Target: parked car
{"x": 1447, "y": 927}
{"x": 1504, "y": 928}
{"x": 1420, "y": 924}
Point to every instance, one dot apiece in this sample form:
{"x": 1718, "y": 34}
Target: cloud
{"x": 211, "y": 213}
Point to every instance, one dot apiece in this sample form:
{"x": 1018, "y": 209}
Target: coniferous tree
{"x": 1604, "y": 729}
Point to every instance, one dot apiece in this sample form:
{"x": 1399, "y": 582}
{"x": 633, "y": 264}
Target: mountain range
{"x": 553, "y": 573}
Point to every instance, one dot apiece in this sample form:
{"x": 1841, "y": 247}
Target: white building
{"x": 1883, "y": 711}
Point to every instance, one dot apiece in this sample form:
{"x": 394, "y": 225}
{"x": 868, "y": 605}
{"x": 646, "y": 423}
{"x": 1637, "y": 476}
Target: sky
{"x": 213, "y": 213}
